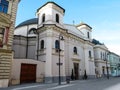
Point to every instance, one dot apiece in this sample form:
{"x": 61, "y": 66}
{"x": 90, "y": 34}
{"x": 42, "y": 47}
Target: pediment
{"x": 4, "y": 19}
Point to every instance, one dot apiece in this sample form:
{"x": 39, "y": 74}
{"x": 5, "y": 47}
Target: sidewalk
{"x": 43, "y": 85}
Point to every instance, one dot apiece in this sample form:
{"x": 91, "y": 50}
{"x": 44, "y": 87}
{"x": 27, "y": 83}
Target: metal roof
{"x": 52, "y": 3}
{"x": 28, "y": 22}
{"x": 96, "y": 42}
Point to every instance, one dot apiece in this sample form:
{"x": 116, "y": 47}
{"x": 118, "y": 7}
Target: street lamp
{"x": 59, "y": 64}
{"x": 107, "y": 67}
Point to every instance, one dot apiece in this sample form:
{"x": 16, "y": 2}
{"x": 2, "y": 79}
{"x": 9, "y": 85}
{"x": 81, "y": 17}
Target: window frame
{"x": 4, "y": 4}
{"x": 43, "y": 18}
{"x": 2, "y": 33}
{"x": 90, "y": 54}
{"x": 75, "y": 50}
{"x": 57, "y": 45}
{"x": 31, "y": 31}
{"x": 88, "y": 34}
{"x": 57, "y": 18}
{"x": 42, "y": 44}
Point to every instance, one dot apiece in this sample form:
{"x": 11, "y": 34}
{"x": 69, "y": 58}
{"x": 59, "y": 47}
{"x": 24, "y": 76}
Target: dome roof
{"x": 27, "y": 22}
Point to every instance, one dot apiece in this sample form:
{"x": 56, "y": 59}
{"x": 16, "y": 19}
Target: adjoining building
{"x": 8, "y": 9}
{"x": 114, "y": 60}
{"x": 54, "y": 48}
{"x": 101, "y": 54}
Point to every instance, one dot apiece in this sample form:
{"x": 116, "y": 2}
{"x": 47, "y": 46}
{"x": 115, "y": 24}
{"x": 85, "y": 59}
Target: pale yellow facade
{"x": 7, "y": 22}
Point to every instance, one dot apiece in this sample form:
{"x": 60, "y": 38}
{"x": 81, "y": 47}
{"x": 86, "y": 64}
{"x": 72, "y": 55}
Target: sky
{"x": 102, "y": 15}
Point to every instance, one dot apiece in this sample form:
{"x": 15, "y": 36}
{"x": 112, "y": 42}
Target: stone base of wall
{"x": 5, "y": 66}
{"x": 91, "y": 76}
{"x": 4, "y": 83}
{"x": 15, "y": 82}
{"x": 88, "y": 77}
{"x": 39, "y": 80}
{"x": 54, "y": 79}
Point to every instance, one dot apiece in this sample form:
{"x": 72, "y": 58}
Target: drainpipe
{"x": 27, "y": 43}
{"x": 37, "y": 45}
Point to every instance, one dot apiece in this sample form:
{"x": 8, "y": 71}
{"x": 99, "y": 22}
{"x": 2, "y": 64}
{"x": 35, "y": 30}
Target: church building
{"x": 51, "y": 49}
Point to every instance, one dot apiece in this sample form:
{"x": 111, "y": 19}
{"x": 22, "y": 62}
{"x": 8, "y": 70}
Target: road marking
{"x": 27, "y": 87}
{"x": 61, "y": 86}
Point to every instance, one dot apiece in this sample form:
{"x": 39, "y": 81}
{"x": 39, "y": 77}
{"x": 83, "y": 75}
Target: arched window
{"x": 42, "y": 44}
{"x": 4, "y": 6}
{"x": 75, "y": 50}
{"x": 43, "y": 18}
{"x": 32, "y": 31}
{"x": 101, "y": 55}
{"x": 56, "y": 44}
{"x": 57, "y": 18}
{"x": 90, "y": 54}
{"x": 88, "y": 35}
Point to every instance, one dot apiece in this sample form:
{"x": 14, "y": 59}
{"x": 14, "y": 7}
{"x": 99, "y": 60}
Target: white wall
{"x": 16, "y": 69}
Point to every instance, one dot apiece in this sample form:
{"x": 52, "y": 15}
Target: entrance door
{"x": 103, "y": 70}
{"x": 76, "y": 71}
{"x": 28, "y": 73}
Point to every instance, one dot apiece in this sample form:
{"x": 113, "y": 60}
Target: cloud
{"x": 109, "y": 34}
{"x": 114, "y": 48}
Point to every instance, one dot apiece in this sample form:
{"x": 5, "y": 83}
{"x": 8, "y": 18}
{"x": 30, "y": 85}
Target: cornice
{"x": 4, "y": 19}
{"x": 52, "y": 27}
{"x": 5, "y": 51}
{"x": 45, "y": 27}
{"x": 54, "y": 5}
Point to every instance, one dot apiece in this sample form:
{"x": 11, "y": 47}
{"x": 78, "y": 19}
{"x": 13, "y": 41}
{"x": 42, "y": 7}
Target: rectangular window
{"x": 101, "y": 55}
{"x": 2, "y": 30}
{"x": 4, "y": 6}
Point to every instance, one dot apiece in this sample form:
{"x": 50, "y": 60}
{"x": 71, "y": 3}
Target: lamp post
{"x": 59, "y": 64}
{"x": 107, "y": 67}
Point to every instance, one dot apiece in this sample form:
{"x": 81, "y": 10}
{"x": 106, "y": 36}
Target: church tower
{"x": 50, "y": 26}
{"x": 50, "y": 13}
{"x": 86, "y": 30}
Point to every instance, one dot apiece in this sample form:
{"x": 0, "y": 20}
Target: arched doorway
{"x": 76, "y": 70}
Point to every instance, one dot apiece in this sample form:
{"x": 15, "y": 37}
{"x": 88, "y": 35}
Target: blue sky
{"x": 102, "y": 15}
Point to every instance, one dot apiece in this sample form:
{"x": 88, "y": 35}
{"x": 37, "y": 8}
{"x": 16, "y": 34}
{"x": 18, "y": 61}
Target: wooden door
{"x": 28, "y": 73}
{"x": 76, "y": 71}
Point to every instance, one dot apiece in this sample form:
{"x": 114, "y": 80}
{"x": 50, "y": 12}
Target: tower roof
{"x": 82, "y": 23}
{"x": 52, "y": 3}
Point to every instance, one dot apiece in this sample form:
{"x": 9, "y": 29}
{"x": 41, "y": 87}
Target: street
{"x": 91, "y": 84}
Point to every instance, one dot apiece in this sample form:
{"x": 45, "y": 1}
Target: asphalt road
{"x": 91, "y": 84}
